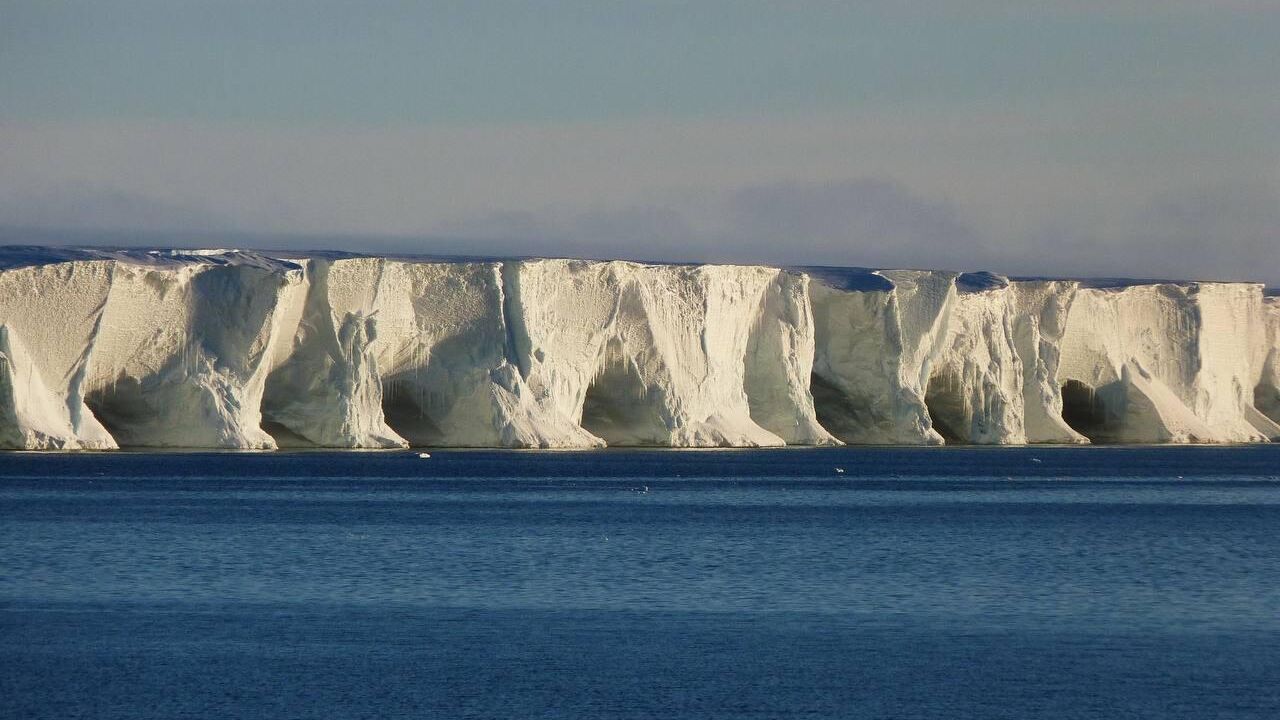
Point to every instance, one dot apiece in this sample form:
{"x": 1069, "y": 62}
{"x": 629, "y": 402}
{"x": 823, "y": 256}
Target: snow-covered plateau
{"x": 232, "y": 349}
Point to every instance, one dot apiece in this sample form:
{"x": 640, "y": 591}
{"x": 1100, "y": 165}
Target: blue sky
{"x": 1075, "y": 136}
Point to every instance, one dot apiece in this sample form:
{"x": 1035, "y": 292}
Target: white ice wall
{"x": 50, "y": 314}
{"x": 779, "y": 364}
{"x": 974, "y": 393}
{"x": 325, "y": 388}
{"x": 996, "y": 380}
{"x": 1267, "y": 360}
{"x": 445, "y": 347}
{"x": 242, "y": 350}
{"x": 1169, "y": 362}
{"x": 877, "y": 338}
{"x": 659, "y": 355}
{"x": 1040, "y": 311}
{"x": 181, "y": 353}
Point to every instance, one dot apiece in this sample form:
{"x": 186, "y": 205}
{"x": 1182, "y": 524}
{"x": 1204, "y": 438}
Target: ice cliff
{"x": 228, "y": 349}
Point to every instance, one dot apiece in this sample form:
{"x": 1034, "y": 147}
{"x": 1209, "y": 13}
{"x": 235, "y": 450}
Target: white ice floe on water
{"x": 239, "y": 349}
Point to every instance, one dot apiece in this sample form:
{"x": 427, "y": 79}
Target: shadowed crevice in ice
{"x": 1085, "y": 410}
{"x": 122, "y": 408}
{"x": 948, "y": 408}
{"x": 620, "y": 408}
{"x": 406, "y": 409}
{"x": 285, "y": 437}
{"x": 844, "y": 416}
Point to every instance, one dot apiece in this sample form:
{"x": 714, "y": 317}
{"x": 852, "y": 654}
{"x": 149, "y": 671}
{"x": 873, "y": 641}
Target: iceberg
{"x": 225, "y": 348}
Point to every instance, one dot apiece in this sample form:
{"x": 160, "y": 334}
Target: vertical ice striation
{"x": 32, "y": 417}
{"x": 995, "y": 381}
{"x": 1163, "y": 362}
{"x": 1266, "y": 392}
{"x": 779, "y": 364}
{"x": 450, "y": 370}
{"x": 223, "y": 348}
{"x": 181, "y": 353}
{"x": 50, "y": 315}
{"x": 1039, "y": 320}
{"x": 325, "y": 389}
{"x": 878, "y": 335}
{"x": 669, "y": 355}
{"x": 975, "y": 390}
{"x": 1233, "y": 326}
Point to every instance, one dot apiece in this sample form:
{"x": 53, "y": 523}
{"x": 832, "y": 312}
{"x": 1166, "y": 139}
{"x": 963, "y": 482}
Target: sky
{"x": 1040, "y": 137}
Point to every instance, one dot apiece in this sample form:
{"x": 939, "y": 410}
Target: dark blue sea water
{"x": 943, "y": 583}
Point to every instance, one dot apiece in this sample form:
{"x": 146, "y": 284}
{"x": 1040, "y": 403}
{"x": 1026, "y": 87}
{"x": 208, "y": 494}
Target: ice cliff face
{"x": 924, "y": 357}
{"x": 1266, "y": 394}
{"x": 242, "y": 350}
{"x": 1167, "y": 362}
{"x": 667, "y": 355}
{"x": 877, "y": 335}
{"x": 180, "y": 354}
{"x": 324, "y": 388}
{"x": 50, "y": 317}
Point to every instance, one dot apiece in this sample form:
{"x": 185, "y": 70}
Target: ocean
{"x": 1097, "y": 582}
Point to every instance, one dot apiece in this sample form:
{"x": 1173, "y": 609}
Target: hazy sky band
{"x": 1042, "y": 132}
{"x": 517, "y": 62}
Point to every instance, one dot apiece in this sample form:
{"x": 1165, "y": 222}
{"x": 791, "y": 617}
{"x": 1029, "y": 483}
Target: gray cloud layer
{"x": 1013, "y": 192}
{"x": 1213, "y": 233}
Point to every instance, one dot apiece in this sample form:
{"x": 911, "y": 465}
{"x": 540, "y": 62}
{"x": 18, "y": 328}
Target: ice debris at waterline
{"x": 234, "y": 349}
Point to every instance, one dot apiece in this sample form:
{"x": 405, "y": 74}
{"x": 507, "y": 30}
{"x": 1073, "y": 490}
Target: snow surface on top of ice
{"x": 980, "y": 281}
{"x": 848, "y": 279}
{"x": 16, "y": 256}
